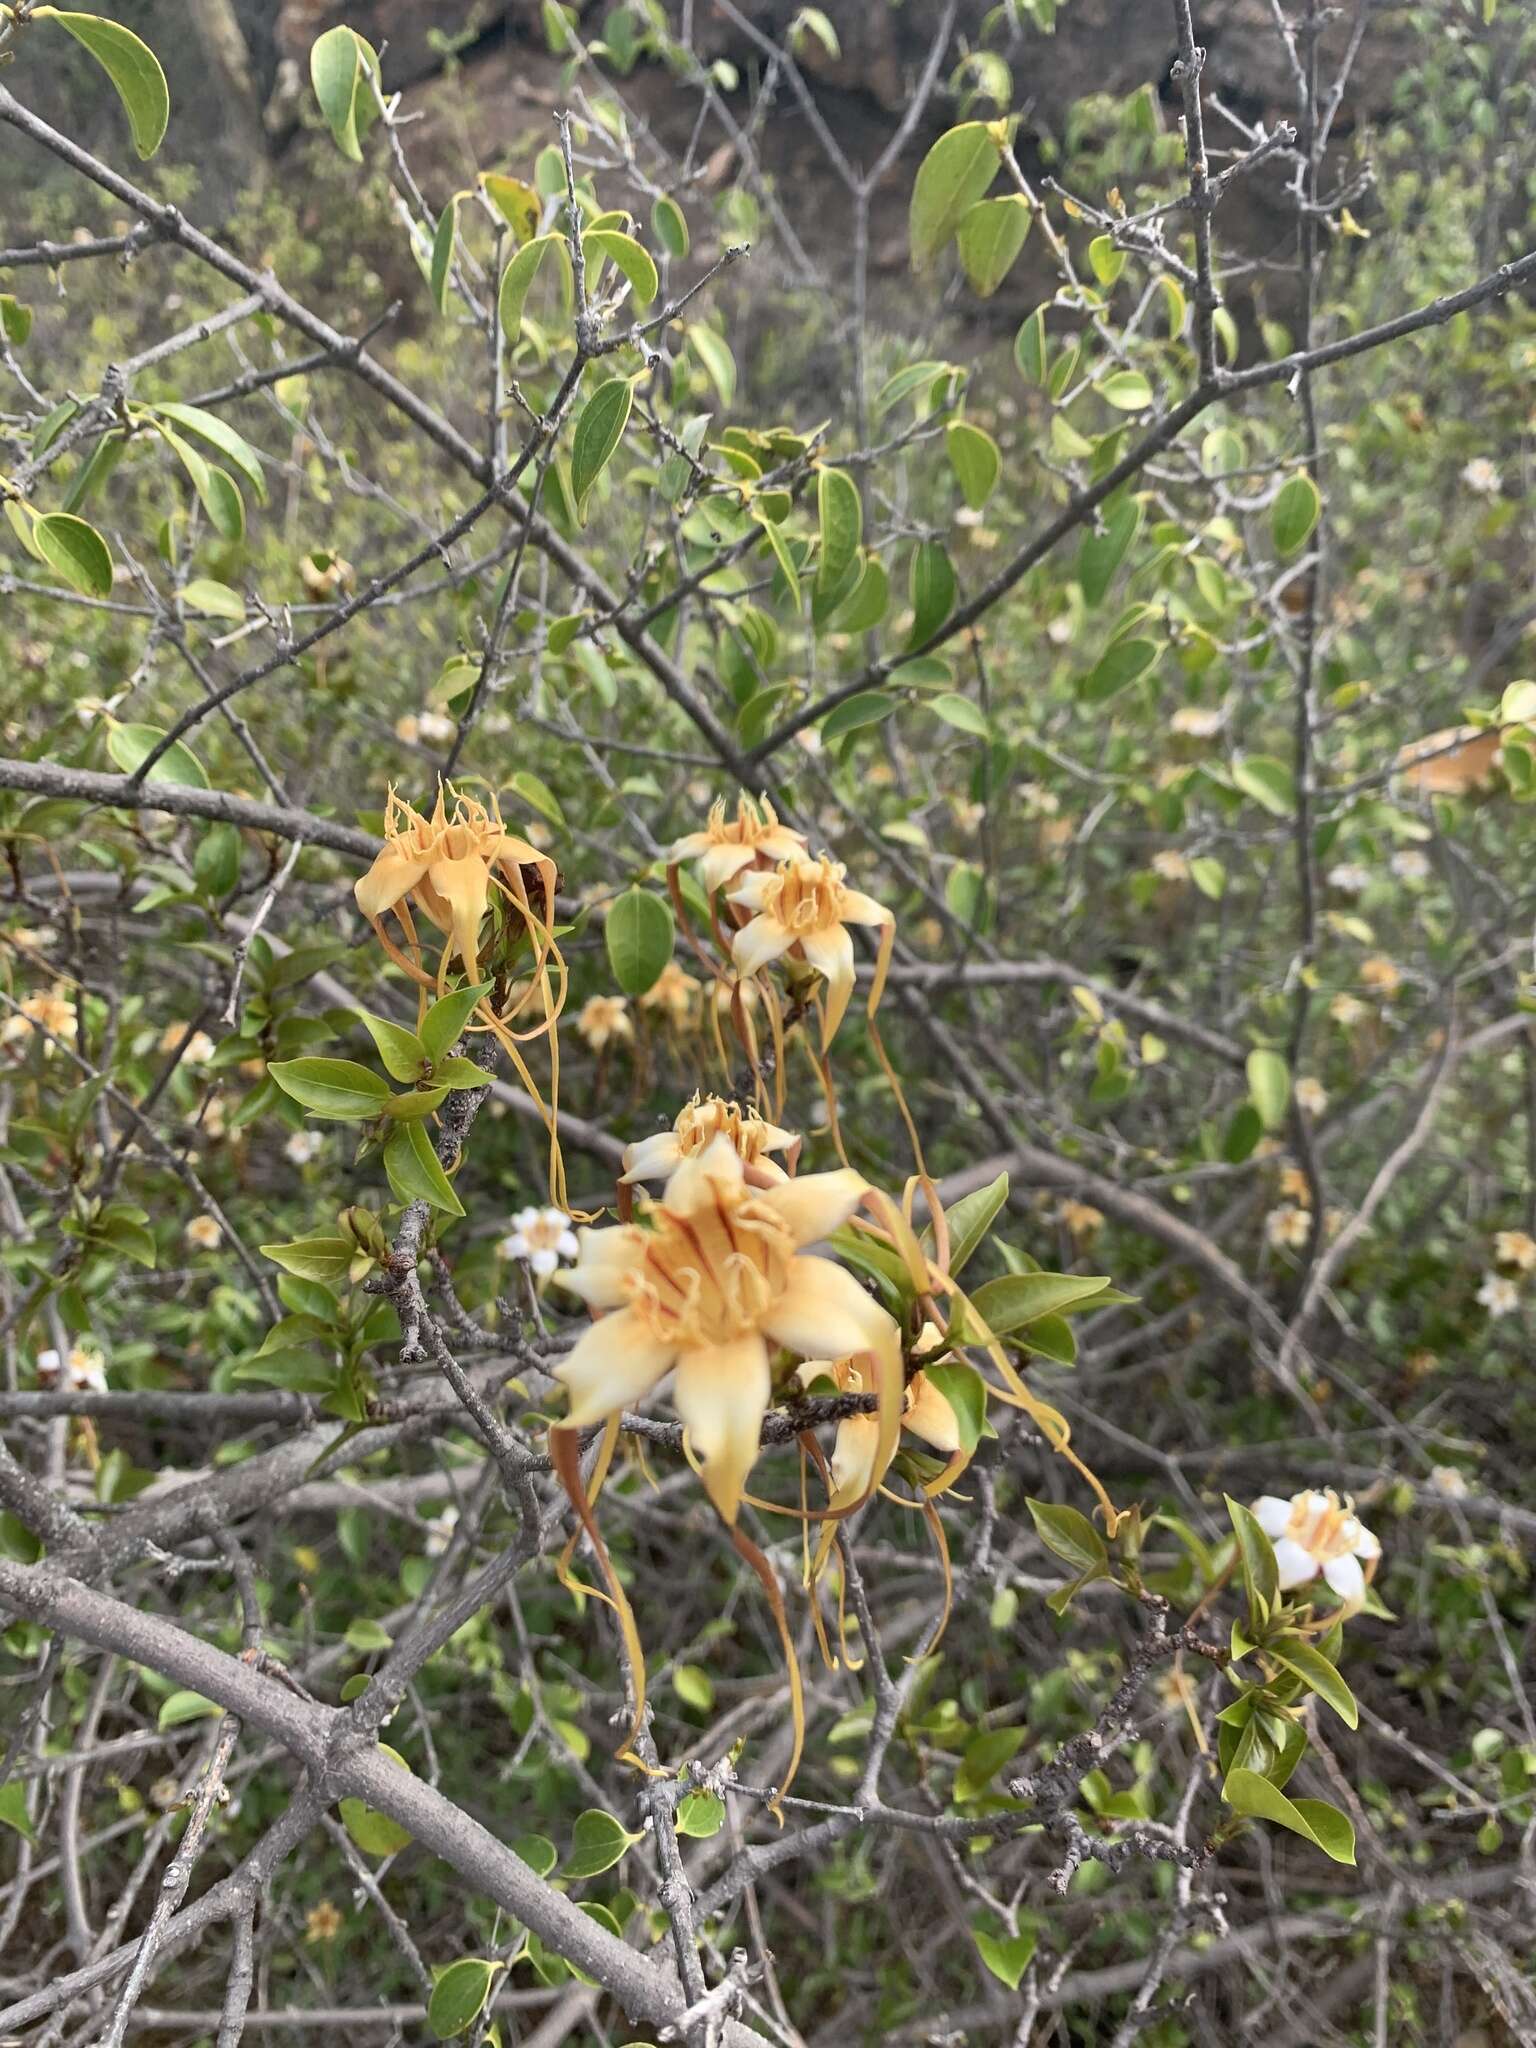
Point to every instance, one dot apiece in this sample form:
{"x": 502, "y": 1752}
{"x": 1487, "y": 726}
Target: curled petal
{"x": 721, "y": 1394}
{"x": 614, "y": 1364}
{"x": 1366, "y": 1545}
{"x": 857, "y": 908}
{"x": 930, "y": 1416}
{"x": 689, "y": 847}
{"x": 1272, "y": 1514}
{"x": 824, "y": 1312}
{"x": 853, "y": 1459}
{"x": 818, "y": 1203}
{"x": 392, "y": 876}
{"x": 781, "y": 843}
{"x": 751, "y": 892}
{"x": 757, "y": 943}
{"x": 1298, "y": 1567}
{"x": 651, "y": 1158}
{"x": 831, "y": 953}
{"x": 720, "y": 863}
{"x": 465, "y": 886}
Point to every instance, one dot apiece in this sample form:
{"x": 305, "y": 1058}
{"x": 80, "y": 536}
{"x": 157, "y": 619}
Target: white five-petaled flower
{"x": 698, "y": 1123}
{"x": 717, "y": 1277}
{"x": 803, "y": 905}
{"x": 1515, "y": 1248}
{"x": 1482, "y": 476}
{"x": 1311, "y": 1095}
{"x": 1350, "y": 878}
{"x": 1317, "y": 1533}
{"x": 440, "y": 1528}
{"x": 727, "y": 845}
{"x": 304, "y": 1146}
{"x": 1498, "y": 1294}
{"x": 1410, "y": 865}
{"x": 203, "y": 1233}
{"x": 86, "y": 1370}
{"x": 541, "y": 1236}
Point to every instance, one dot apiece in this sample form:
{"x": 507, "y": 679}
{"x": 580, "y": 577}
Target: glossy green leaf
{"x": 1261, "y": 1575}
{"x": 1006, "y": 1956}
{"x": 133, "y": 68}
{"x": 639, "y": 931}
{"x": 976, "y": 460}
{"x": 931, "y": 586}
{"x": 444, "y": 1023}
{"x": 968, "y": 1222}
{"x": 213, "y": 600}
{"x": 459, "y": 1995}
{"x": 669, "y": 224}
{"x": 868, "y": 707}
{"x": 1269, "y": 1085}
{"x": 1070, "y": 1536}
{"x": 415, "y": 1171}
{"x": 782, "y": 555}
{"x": 76, "y": 550}
{"x": 440, "y": 264}
{"x": 700, "y": 1815}
{"x": 1017, "y": 1299}
{"x": 129, "y": 745}
{"x": 951, "y": 178}
{"x": 1317, "y": 1673}
{"x": 1313, "y": 1819}
{"x": 1296, "y": 510}
{"x": 840, "y": 519}
{"x": 218, "y": 433}
{"x": 598, "y": 1841}
{"x": 990, "y": 236}
{"x": 628, "y": 257}
{"x": 402, "y": 1052}
{"x": 177, "y": 1708}
{"x": 340, "y": 63}
{"x": 1102, "y": 553}
{"x": 325, "y": 1259}
{"x": 599, "y": 430}
{"x": 338, "y": 1089}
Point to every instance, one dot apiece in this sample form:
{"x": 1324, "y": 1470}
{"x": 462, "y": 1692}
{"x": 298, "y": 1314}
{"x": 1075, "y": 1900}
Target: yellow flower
{"x": 726, "y": 846}
{"x": 199, "y": 1047}
{"x": 926, "y": 1414}
{"x": 322, "y": 1923}
{"x": 53, "y": 1013}
{"x": 448, "y": 867}
{"x": 1381, "y": 976}
{"x": 717, "y": 1277}
{"x": 1081, "y": 1218}
{"x": 698, "y": 1123}
{"x": 603, "y": 1019}
{"x": 1515, "y": 1248}
{"x": 803, "y": 907}
{"x": 203, "y": 1233}
{"x": 673, "y": 991}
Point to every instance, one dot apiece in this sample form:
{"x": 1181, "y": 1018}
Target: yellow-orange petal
{"x": 721, "y": 1393}
{"x": 464, "y": 885}
{"x": 757, "y": 943}
{"x": 817, "y": 1203}
{"x": 392, "y": 876}
{"x": 931, "y": 1416}
{"x": 614, "y": 1364}
{"x": 831, "y": 954}
{"x": 824, "y": 1312}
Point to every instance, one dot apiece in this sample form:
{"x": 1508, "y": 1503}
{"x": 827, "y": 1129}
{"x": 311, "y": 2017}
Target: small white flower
{"x": 1316, "y": 1532}
{"x": 203, "y": 1233}
{"x": 440, "y": 1528}
{"x": 1515, "y": 1248}
{"x": 408, "y": 729}
{"x": 1288, "y": 1227}
{"x": 1410, "y": 865}
{"x": 968, "y": 516}
{"x": 1481, "y": 476}
{"x": 436, "y": 727}
{"x": 1196, "y": 721}
{"x": 48, "y": 1366}
{"x": 1350, "y": 878}
{"x": 1449, "y": 1483}
{"x": 1347, "y": 1010}
{"x": 1311, "y": 1095}
{"x": 1500, "y": 1296}
{"x": 1170, "y": 864}
{"x": 542, "y": 1238}
{"x": 304, "y": 1146}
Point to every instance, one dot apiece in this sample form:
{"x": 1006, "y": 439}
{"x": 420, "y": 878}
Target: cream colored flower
{"x": 1499, "y": 1295}
{"x": 1347, "y": 1010}
{"x": 1196, "y": 721}
{"x": 1311, "y": 1095}
{"x": 698, "y": 1123}
{"x": 1081, "y": 1218}
{"x": 322, "y": 1923}
{"x": 541, "y": 1236}
{"x": 303, "y": 1147}
{"x": 408, "y": 729}
{"x": 1317, "y": 1533}
{"x": 1381, "y": 976}
{"x": 803, "y": 907}
{"x": 440, "y": 1528}
{"x": 673, "y": 991}
{"x": 199, "y": 1048}
{"x": 53, "y": 1013}
{"x": 1295, "y": 1186}
{"x": 1410, "y": 865}
{"x": 1170, "y": 864}
{"x": 203, "y": 1233}
{"x": 1288, "y": 1227}
{"x": 1449, "y": 1483}
{"x": 86, "y": 1370}
{"x": 726, "y": 846}
{"x": 926, "y": 1413}
{"x": 436, "y": 728}
{"x": 604, "y": 1019}
{"x": 717, "y": 1276}
{"x": 1481, "y": 476}
{"x": 1515, "y": 1248}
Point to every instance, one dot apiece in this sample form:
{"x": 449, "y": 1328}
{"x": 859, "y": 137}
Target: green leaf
{"x": 1318, "y": 1673}
{"x": 414, "y": 1170}
{"x": 962, "y": 714}
{"x": 840, "y": 518}
{"x": 76, "y": 550}
{"x": 13, "y": 1809}
{"x": 538, "y": 796}
{"x": 459, "y": 1995}
{"x": 340, "y": 1089}
{"x": 597, "y": 1843}
{"x": 1313, "y": 1819}
{"x": 990, "y": 236}
{"x": 1269, "y": 1085}
{"x": 1016, "y": 1299}
{"x": 1102, "y": 553}
{"x": 326, "y": 1259}
{"x": 1261, "y": 1575}
{"x": 177, "y": 1708}
{"x": 669, "y": 224}
{"x": 639, "y": 933}
{"x": 868, "y": 707}
{"x": 700, "y": 1814}
{"x": 296, "y": 1372}
{"x": 969, "y": 1220}
{"x": 128, "y": 745}
{"x": 402, "y": 1052}
{"x": 1126, "y": 390}
{"x": 694, "y": 1687}
{"x": 365, "y": 1636}
{"x": 517, "y": 281}
{"x": 1267, "y": 781}
{"x": 340, "y": 62}
{"x": 719, "y": 364}
{"x": 444, "y": 1023}
{"x": 782, "y": 555}
{"x": 1105, "y": 259}
{"x": 132, "y": 67}
{"x": 373, "y": 1832}
{"x": 599, "y": 431}
{"x": 976, "y": 460}
{"x": 214, "y": 600}
{"x": 984, "y": 1757}
{"x": 440, "y": 267}
{"x": 518, "y": 204}
{"x": 1117, "y": 667}
{"x": 1295, "y": 512}
{"x": 1208, "y": 876}
{"x": 216, "y": 489}
{"x": 15, "y": 320}
{"x": 1030, "y": 350}
{"x": 1243, "y": 1132}
{"x": 218, "y": 434}
{"x": 1007, "y": 1957}
{"x": 420, "y": 1102}
{"x": 931, "y": 586}
{"x": 966, "y": 1392}
{"x": 537, "y": 1851}
{"x": 1070, "y": 1536}
{"x": 627, "y": 256}
{"x": 951, "y": 178}
{"x": 869, "y": 600}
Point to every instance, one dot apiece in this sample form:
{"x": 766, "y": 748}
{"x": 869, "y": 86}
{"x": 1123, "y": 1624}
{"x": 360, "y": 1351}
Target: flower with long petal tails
{"x": 715, "y": 1277}
{"x": 1317, "y": 1533}
{"x": 926, "y": 1414}
{"x": 727, "y": 845}
{"x": 804, "y": 908}
{"x": 699, "y": 1122}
